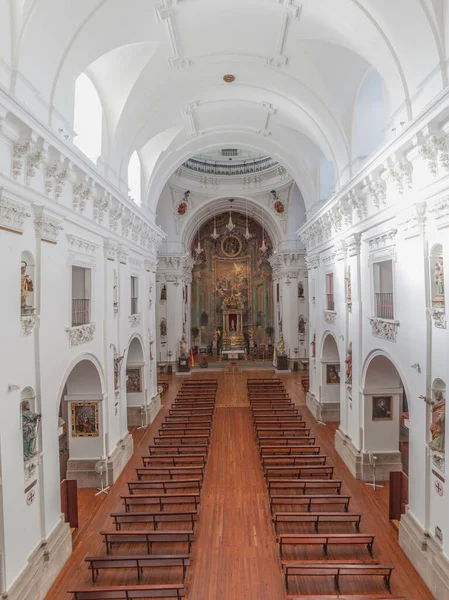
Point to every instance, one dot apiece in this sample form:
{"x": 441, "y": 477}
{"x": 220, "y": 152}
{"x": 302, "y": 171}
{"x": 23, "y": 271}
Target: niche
{"x": 27, "y": 298}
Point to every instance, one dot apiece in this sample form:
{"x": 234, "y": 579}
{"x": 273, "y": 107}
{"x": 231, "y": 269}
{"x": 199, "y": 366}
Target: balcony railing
{"x": 330, "y": 302}
{"x": 246, "y": 168}
{"x": 80, "y": 312}
{"x": 134, "y": 310}
{"x": 384, "y": 306}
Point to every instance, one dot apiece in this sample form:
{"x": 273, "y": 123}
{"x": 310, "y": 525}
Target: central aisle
{"x": 235, "y": 554}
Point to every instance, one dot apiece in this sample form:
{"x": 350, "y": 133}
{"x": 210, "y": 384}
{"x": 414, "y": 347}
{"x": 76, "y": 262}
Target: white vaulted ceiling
{"x": 158, "y": 66}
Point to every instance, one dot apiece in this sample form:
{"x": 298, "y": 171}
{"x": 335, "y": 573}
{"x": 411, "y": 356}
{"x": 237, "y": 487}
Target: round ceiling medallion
{"x": 229, "y": 78}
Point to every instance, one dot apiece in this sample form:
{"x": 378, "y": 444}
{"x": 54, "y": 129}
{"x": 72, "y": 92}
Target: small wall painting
{"x": 85, "y": 419}
{"x": 133, "y": 381}
{"x": 332, "y": 374}
{"x": 382, "y": 408}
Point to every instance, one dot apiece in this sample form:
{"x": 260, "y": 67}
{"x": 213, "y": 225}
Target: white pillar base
{"x": 323, "y": 411}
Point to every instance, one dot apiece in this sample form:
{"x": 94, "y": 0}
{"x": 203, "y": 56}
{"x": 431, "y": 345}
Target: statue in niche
{"x": 30, "y": 425}
{"x": 117, "y": 366}
{"x": 438, "y": 405}
{"x": 163, "y": 293}
{"x": 163, "y": 328}
{"x": 204, "y": 319}
{"x": 438, "y": 275}
{"x": 26, "y": 285}
{"x": 348, "y": 286}
{"x": 313, "y": 344}
{"x": 301, "y": 326}
{"x": 281, "y": 345}
{"x": 183, "y": 347}
{"x": 348, "y": 362}
{"x": 300, "y": 290}
{"x": 259, "y": 319}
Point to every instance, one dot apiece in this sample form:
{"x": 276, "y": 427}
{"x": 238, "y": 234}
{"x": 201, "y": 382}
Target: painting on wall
{"x": 382, "y": 408}
{"x": 133, "y": 381}
{"x": 85, "y": 419}
{"x": 333, "y": 374}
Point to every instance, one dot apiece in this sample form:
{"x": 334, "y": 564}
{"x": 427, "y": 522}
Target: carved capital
{"x": 12, "y": 214}
{"x": 47, "y": 227}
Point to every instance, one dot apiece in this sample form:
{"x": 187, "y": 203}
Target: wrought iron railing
{"x": 134, "y": 306}
{"x": 246, "y": 168}
{"x": 80, "y": 312}
{"x": 384, "y": 306}
{"x": 330, "y": 302}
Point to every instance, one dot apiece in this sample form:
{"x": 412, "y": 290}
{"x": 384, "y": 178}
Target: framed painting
{"x": 382, "y": 408}
{"x": 134, "y": 380}
{"x": 85, "y": 419}
{"x": 333, "y": 374}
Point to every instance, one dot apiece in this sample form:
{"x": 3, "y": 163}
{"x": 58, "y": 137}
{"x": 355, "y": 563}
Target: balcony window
{"x": 81, "y": 296}
{"x": 330, "y": 302}
{"x": 134, "y": 296}
{"x": 383, "y": 290}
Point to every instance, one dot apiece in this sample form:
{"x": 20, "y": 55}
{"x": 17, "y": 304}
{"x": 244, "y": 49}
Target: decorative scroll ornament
{"x": 55, "y": 179}
{"x": 330, "y": 317}
{"x": 12, "y": 214}
{"x": 438, "y": 316}
{"x": 233, "y": 302}
{"x": 19, "y": 154}
{"x": 28, "y": 322}
{"x": 134, "y": 320}
{"x": 376, "y": 192}
{"x": 30, "y": 466}
{"x": 401, "y": 176}
{"x": 386, "y": 330}
{"x": 81, "y": 334}
{"x": 34, "y": 162}
{"x": 101, "y": 205}
{"x": 47, "y": 227}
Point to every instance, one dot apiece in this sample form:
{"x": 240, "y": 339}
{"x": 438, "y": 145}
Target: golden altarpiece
{"x": 232, "y": 297}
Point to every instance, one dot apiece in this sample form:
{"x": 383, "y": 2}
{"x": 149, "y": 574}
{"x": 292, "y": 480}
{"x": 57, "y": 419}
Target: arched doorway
{"x": 330, "y": 380}
{"x": 135, "y": 382}
{"x": 385, "y": 418}
{"x": 80, "y": 425}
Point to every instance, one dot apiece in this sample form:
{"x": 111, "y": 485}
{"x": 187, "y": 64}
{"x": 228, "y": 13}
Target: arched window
{"x": 88, "y": 118}
{"x": 134, "y": 179}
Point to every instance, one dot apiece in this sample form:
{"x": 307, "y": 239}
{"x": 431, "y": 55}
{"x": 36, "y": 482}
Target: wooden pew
{"x": 345, "y": 597}
{"x": 286, "y": 412}
{"x": 271, "y": 425}
{"x": 191, "y": 412}
{"x": 301, "y": 486}
{"x": 171, "y": 472}
{"x": 160, "y": 500}
{"x": 164, "y": 486}
{"x": 299, "y": 472}
{"x": 137, "y": 562}
{"x": 310, "y": 500}
{"x": 304, "y": 460}
{"x": 174, "y": 461}
{"x": 198, "y": 430}
{"x": 276, "y": 418}
{"x": 264, "y": 432}
{"x": 129, "y": 592}
{"x": 191, "y": 419}
{"x": 182, "y": 439}
{"x": 205, "y": 424}
{"x": 317, "y": 518}
{"x": 336, "y": 571}
{"x": 273, "y": 451}
{"x": 146, "y": 537}
{"x": 155, "y": 518}
{"x": 273, "y": 406}
{"x": 193, "y": 405}
{"x": 255, "y": 380}
{"x": 286, "y": 441}
{"x": 325, "y": 540}
{"x": 170, "y": 450}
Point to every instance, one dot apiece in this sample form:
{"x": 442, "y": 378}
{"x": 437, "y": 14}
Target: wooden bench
{"x": 325, "y": 540}
{"x": 265, "y": 432}
{"x": 195, "y": 400}
{"x": 182, "y": 439}
{"x": 286, "y": 412}
{"x": 174, "y": 461}
{"x": 193, "y": 405}
{"x": 336, "y": 571}
{"x": 138, "y": 562}
{"x": 295, "y": 461}
{"x": 170, "y": 472}
{"x": 160, "y": 500}
{"x": 304, "y": 485}
{"x": 277, "y": 419}
{"x": 256, "y": 381}
{"x": 345, "y": 597}
{"x": 289, "y": 450}
{"x": 129, "y": 592}
{"x": 126, "y": 518}
{"x": 272, "y": 406}
{"x": 173, "y": 450}
{"x": 317, "y": 518}
{"x": 146, "y": 537}
{"x": 299, "y": 472}
{"x": 165, "y": 485}
{"x": 191, "y": 412}
{"x": 198, "y": 430}
{"x": 174, "y": 424}
{"x": 287, "y": 441}
{"x": 275, "y": 425}
{"x": 310, "y": 500}
{"x": 189, "y": 419}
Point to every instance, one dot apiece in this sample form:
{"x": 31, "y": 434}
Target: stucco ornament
{"x": 386, "y": 330}
{"x": 81, "y": 334}
{"x": 438, "y": 404}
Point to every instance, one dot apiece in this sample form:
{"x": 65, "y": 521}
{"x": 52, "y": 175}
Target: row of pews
{"x": 306, "y": 502}
{"x": 161, "y": 506}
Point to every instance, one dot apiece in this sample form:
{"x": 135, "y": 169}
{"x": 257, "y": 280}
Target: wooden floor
{"x": 236, "y": 555}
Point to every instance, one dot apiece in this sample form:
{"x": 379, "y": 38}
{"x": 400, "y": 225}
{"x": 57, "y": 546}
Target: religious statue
{"x": 26, "y": 285}
{"x": 183, "y": 347}
{"x": 301, "y": 325}
{"x": 348, "y": 362}
{"x": 163, "y": 293}
{"x": 232, "y": 324}
{"x": 438, "y": 275}
{"x": 438, "y": 420}
{"x": 117, "y": 365}
{"x": 281, "y": 345}
{"x": 348, "y": 286}
{"x": 313, "y": 344}
{"x": 163, "y": 328}
{"x": 259, "y": 319}
{"x": 30, "y": 424}
{"x": 300, "y": 290}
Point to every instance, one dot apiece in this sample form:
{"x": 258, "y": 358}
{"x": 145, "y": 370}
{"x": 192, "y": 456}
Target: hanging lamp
{"x": 263, "y": 247}
{"x": 230, "y": 226}
{"x": 215, "y": 235}
{"x": 247, "y": 234}
{"x": 198, "y": 249}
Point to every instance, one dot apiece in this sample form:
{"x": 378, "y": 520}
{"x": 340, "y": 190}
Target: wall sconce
{"x": 13, "y": 388}
{"x": 416, "y": 366}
